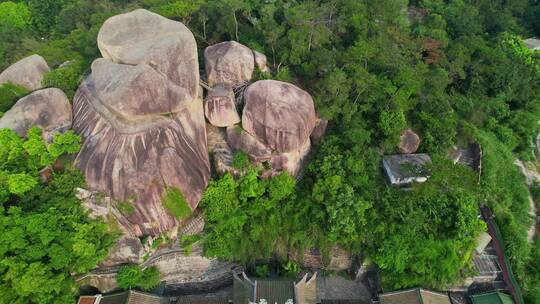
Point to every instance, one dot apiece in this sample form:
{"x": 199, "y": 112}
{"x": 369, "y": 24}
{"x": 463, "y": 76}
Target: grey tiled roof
{"x": 133, "y": 297}
{"x": 275, "y": 291}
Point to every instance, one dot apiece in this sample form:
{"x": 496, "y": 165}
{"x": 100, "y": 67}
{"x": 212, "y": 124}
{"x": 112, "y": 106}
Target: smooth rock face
{"x": 48, "y": 109}
{"x": 27, "y": 72}
{"x": 319, "y": 130}
{"x": 127, "y": 250}
{"x": 145, "y": 37}
{"x": 279, "y": 114}
{"x": 142, "y": 120}
{"x": 277, "y": 122}
{"x": 242, "y": 140}
{"x": 409, "y": 142}
{"x": 220, "y": 107}
{"x": 260, "y": 61}
{"x": 228, "y": 62}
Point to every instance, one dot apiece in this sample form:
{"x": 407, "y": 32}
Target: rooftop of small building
{"x": 403, "y": 166}
{"x": 532, "y": 43}
{"x": 414, "y": 296}
{"x": 495, "y": 297}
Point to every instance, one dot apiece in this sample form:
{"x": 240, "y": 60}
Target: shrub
{"x": 9, "y": 94}
{"x": 175, "y": 202}
{"x": 66, "y": 78}
{"x": 128, "y": 276}
{"x": 261, "y": 271}
{"x": 132, "y": 276}
{"x": 290, "y": 269}
{"x": 150, "y": 278}
{"x": 240, "y": 160}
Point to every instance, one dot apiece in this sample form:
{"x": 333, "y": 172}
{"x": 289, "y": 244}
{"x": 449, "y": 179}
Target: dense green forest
{"x": 453, "y": 70}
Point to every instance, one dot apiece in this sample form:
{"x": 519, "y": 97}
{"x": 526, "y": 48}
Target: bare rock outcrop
{"x": 48, "y": 109}
{"x": 220, "y": 107}
{"x": 319, "y": 130}
{"x": 141, "y": 118}
{"x": 279, "y": 114}
{"x": 260, "y": 61}
{"x": 144, "y": 37}
{"x": 27, "y": 72}
{"x": 228, "y": 62}
{"x": 277, "y": 122}
{"x": 127, "y": 249}
{"x": 409, "y": 142}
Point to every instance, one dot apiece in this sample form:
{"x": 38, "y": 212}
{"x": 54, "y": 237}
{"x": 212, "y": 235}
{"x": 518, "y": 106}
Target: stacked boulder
{"x": 141, "y": 118}
{"x": 48, "y": 109}
{"x": 409, "y": 142}
{"x": 277, "y": 120}
{"x": 27, "y": 72}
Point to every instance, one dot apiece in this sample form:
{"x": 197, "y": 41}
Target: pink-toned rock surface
{"x": 228, "y": 62}
{"x": 409, "y": 142}
{"x": 279, "y": 114}
{"x": 48, "y": 109}
{"x": 319, "y": 130}
{"x": 220, "y": 107}
{"x": 127, "y": 250}
{"x": 260, "y": 61}
{"x": 142, "y": 120}
{"x": 141, "y": 36}
{"x": 277, "y": 122}
{"x": 241, "y": 140}
{"x": 27, "y": 72}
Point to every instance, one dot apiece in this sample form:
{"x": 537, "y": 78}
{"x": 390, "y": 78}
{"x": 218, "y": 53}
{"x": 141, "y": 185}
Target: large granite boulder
{"x": 48, "y": 109}
{"x": 228, "y": 62}
{"x": 242, "y": 140}
{"x": 27, "y": 72}
{"x": 277, "y": 122}
{"x": 145, "y": 37}
{"x": 220, "y": 107}
{"x": 141, "y": 119}
{"x": 409, "y": 142}
{"x": 279, "y": 114}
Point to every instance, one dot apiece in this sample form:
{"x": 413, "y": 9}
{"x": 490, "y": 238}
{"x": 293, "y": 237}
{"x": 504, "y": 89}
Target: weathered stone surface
{"x": 319, "y": 130}
{"x": 103, "y": 282}
{"x": 228, "y": 62}
{"x": 409, "y": 142}
{"x": 260, "y": 61}
{"x": 141, "y": 36}
{"x": 279, "y": 114}
{"x": 340, "y": 259}
{"x": 127, "y": 250}
{"x": 27, "y": 72}
{"x": 220, "y": 107}
{"x": 142, "y": 120}
{"x": 137, "y": 91}
{"x": 292, "y": 161}
{"x": 241, "y": 140}
{"x": 48, "y": 109}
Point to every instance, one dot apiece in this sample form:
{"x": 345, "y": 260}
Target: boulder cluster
{"x": 47, "y": 108}
{"x": 147, "y": 124}
{"x": 277, "y": 120}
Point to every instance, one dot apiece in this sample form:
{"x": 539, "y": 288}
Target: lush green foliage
{"x": 240, "y": 160}
{"x": 66, "y": 78}
{"x": 132, "y": 276}
{"x": 175, "y": 202}
{"x": 9, "y": 94}
{"x": 46, "y": 235}
{"x": 451, "y": 70}
{"x": 245, "y": 217}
